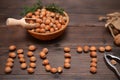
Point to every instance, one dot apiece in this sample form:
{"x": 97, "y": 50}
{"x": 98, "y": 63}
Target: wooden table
{"x": 83, "y": 29}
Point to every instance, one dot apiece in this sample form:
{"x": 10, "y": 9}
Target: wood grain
{"x": 83, "y": 29}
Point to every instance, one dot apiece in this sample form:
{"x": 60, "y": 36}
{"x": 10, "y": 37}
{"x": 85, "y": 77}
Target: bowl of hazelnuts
{"x": 51, "y": 22}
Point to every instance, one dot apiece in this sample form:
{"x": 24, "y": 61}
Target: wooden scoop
{"x": 20, "y": 22}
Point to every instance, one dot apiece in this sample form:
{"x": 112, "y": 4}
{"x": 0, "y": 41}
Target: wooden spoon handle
{"x": 13, "y": 22}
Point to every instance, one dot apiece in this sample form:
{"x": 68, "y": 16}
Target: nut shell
{"x": 30, "y": 70}
{"x": 101, "y": 49}
{"x": 93, "y": 70}
{"x": 12, "y": 47}
{"x": 32, "y": 65}
{"x": 32, "y": 47}
{"x": 67, "y": 65}
{"x": 66, "y": 49}
{"x": 42, "y": 55}
{"x": 23, "y": 66}
{"x": 93, "y": 48}
{"x": 67, "y": 55}
{"x": 45, "y": 62}
{"x": 53, "y": 70}
{"x": 86, "y": 49}
{"x": 20, "y": 51}
{"x": 8, "y": 69}
{"x": 60, "y": 69}
{"x": 93, "y": 54}
{"x": 33, "y": 59}
{"x": 12, "y": 54}
{"x": 108, "y": 48}
{"x": 29, "y": 53}
{"x": 79, "y": 49}
{"x": 47, "y": 67}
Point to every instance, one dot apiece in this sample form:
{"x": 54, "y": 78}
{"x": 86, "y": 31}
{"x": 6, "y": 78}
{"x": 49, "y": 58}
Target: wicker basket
{"x": 50, "y": 36}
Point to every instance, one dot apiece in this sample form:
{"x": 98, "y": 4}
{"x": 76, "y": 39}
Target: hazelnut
{"x": 117, "y": 39}
{"x": 33, "y": 59}
{"x": 23, "y": 66}
{"x": 60, "y": 69}
{"x": 108, "y": 48}
{"x": 93, "y": 64}
{"x": 12, "y": 54}
{"x": 20, "y": 51}
{"x": 30, "y": 70}
{"x": 45, "y": 62}
{"x": 45, "y": 50}
{"x": 48, "y": 67}
{"x": 93, "y": 70}
{"x": 66, "y": 65}
{"x": 8, "y": 69}
{"x": 67, "y": 60}
{"x": 113, "y": 62}
{"x": 53, "y": 70}
{"x": 93, "y": 48}
{"x": 12, "y": 47}
{"x": 79, "y": 49}
{"x": 32, "y": 65}
{"x": 94, "y": 60}
{"x": 29, "y": 53}
{"x": 93, "y": 54}
{"x": 42, "y": 55}
{"x": 22, "y": 60}
{"x": 67, "y": 55}
{"x": 10, "y": 60}
{"x": 101, "y": 49}
{"x": 20, "y": 56}
{"x": 9, "y": 64}
{"x": 86, "y": 49}
{"x": 32, "y": 47}
{"x": 66, "y": 49}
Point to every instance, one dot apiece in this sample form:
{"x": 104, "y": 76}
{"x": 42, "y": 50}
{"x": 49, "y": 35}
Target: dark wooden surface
{"x": 83, "y": 29}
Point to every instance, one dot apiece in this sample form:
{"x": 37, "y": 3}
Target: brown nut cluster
{"x": 10, "y": 60}
{"x": 46, "y": 21}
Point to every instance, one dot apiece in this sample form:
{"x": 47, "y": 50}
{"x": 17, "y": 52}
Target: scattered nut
{"x": 66, "y": 49}
{"x": 22, "y": 60}
{"x": 42, "y": 55}
{"x": 20, "y": 56}
{"x": 67, "y": 55}
{"x": 66, "y": 65}
{"x": 93, "y": 48}
{"x": 60, "y": 69}
{"x": 32, "y": 65}
{"x": 48, "y": 67}
{"x": 23, "y": 66}
{"x": 53, "y": 70}
{"x": 45, "y": 62}
{"x": 45, "y": 50}
{"x": 32, "y": 47}
{"x": 33, "y": 59}
{"x": 94, "y": 60}
{"x": 8, "y": 69}
{"x": 93, "y": 64}
{"x": 12, "y": 47}
{"x": 108, "y": 48}
{"x": 79, "y": 49}
{"x": 86, "y": 49}
{"x": 101, "y": 49}
{"x": 10, "y": 60}
{"x": 113, "y": 62}
{"x": 29, "y": 53}
{"x": 93, "y": 70}
{"x": 20, "y": 51}
{"x": 117, "y": 40}
{"x": 9, "y": 64}
{"x": 12, "y": 54}
{"x": 93, "y": 54}
{"x": 30, "y": 70}
{"x": 67, "y": 60}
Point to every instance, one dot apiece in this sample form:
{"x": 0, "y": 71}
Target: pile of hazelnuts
{"x": 46, "y": 21}
{"x": 21, "y": 57}
{"x": 46, "y": 63}
{"x": 93, "y": 54}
